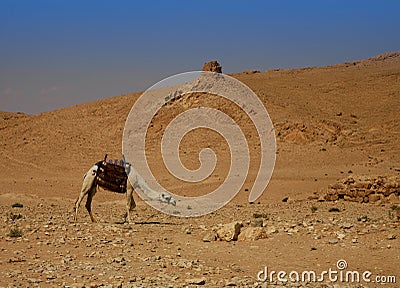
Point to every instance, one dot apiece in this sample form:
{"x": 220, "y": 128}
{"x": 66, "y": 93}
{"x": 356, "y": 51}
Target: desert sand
{"x": 330, "y": 123}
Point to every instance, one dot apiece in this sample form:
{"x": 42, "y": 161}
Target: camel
{"x": 90, "y": 184}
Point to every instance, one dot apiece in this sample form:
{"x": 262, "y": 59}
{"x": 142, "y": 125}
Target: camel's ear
{"x": 127, "y": 167}
{"x": 169, "y": 199}
{"x": 127, "y": 164}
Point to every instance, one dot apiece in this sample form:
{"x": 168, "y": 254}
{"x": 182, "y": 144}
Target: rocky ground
{"x": 165, "y": 251}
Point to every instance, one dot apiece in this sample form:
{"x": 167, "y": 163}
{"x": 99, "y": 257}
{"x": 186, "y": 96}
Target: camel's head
{"x": 166, "y": 198}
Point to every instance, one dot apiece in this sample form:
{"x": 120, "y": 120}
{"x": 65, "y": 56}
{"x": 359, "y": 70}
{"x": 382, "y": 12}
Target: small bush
{"x": 15, "y": 216}
{"x": 17, "y": 205}
{"x": 395, "y": 207}
{"x": 15, "y": 232}
{"x": 313, "y": 209}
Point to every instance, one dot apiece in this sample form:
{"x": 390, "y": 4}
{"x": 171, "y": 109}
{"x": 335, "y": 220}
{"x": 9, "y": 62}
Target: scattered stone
{"x": 393, "y": 198}
{"x": 209, "y": 237}
{"x": 236, "y": 268}
{"x": 373, "y": 198}
{"x": 106, "y": 253}
{"x": 341, "y": 235}
{"x": 391, "y": 236}
{"x": 252, "y": 234}
{"x": 132, "y": 280}
{"x": 34, "y": 280}
{"x": 347, "y": 225}
{"x": 365, "y": 189}
{"x": 229, "y": 232}
{"x": 257, "y": 222}
{"x": 235, "y": 281}
{"x": 272, "y": 229}
{"x": 196, "y": 281}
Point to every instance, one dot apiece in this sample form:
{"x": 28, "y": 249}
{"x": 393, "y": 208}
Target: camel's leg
{"x": 78, "y": 203}
{"x": 130, "y": 202}
{"x": 89, "y": 199}
{"x": 87, "y": 186}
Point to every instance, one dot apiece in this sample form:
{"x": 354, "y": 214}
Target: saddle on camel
{"x": 112, "y": 175}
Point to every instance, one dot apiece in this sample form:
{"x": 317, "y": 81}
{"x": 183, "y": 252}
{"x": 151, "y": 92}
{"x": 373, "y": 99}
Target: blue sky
{"x": 58, "y": 53}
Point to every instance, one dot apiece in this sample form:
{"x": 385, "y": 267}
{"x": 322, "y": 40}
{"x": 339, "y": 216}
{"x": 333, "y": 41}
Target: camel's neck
{"x": 141, "y": 184}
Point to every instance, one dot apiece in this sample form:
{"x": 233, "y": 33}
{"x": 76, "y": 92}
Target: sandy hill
{"x": 331, "y": 123}
{"x": 328, "y": 121}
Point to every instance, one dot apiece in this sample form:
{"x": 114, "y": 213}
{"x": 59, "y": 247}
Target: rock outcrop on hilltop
{"x": 212, "y": 66}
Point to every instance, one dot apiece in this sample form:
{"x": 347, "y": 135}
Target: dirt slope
{"x": 330, "y": 122}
